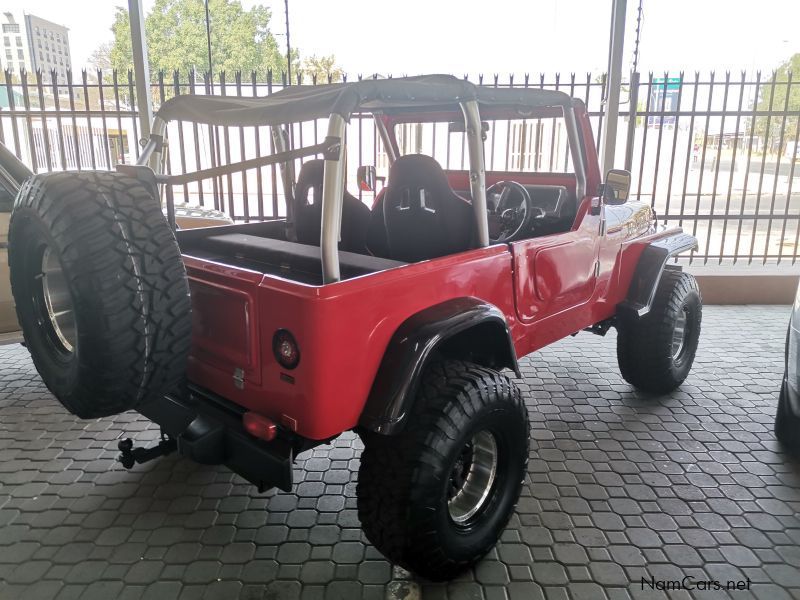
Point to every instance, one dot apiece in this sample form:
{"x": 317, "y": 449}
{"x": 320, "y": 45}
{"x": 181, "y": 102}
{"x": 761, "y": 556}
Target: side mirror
{"x": 366, "y": 177}
{"x": 617, "y": 187}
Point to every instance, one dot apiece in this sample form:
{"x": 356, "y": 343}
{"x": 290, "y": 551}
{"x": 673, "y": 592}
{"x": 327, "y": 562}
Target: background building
{"x": 49, "y": 46}
{"x": 33, "y": 43}
{"x": 15, "y": 52}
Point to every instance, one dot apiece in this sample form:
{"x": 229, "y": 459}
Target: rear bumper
{"x": 209, "y": 430}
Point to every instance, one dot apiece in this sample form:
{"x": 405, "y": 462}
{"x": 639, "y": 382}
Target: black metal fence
{"x": 717, "y": 155}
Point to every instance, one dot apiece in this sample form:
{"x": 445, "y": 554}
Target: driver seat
{"x": 424, "y": 217}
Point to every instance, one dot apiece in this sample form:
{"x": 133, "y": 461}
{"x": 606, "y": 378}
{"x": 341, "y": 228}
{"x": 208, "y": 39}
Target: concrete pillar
{"x": 141, "y": 67}
{"x": 614, "y": 82}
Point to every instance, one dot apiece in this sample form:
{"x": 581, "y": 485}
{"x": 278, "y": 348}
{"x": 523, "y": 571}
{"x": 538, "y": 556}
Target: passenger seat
{"x": 308, "y": 211}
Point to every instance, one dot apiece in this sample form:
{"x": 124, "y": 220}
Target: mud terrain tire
{"x": 413, "y": 491}
{"x": 650, "y": 356}
{"x": 101, "y": 291}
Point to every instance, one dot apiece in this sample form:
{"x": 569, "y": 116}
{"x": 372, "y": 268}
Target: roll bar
{"x": 332, "y": 149}
{"x": 332, "y": 198}
{"x": 151, "y": 153}
{"x": 477, "y": 170}
{"x": 577, "y": 151}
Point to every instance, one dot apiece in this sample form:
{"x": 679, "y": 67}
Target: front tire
{"x": 656, "y": 353}
{"x": 436, "y": 498}
{"x": 787, "y": 424}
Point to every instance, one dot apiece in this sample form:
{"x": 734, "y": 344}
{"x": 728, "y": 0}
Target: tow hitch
{"x": 129, "y": 455}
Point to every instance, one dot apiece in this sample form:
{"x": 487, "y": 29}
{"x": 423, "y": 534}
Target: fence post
{"x": 633, "y": 111}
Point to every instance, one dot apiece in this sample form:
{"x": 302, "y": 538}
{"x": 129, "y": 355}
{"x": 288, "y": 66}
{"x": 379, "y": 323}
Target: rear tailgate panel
{"x": 342, "y": 331}
{"x": 226, "y": 343}
{"x": 225, "y": 328}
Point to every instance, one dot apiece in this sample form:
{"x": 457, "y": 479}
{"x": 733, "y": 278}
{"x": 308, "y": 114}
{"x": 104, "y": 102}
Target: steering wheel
{"x": 507, "y": 219}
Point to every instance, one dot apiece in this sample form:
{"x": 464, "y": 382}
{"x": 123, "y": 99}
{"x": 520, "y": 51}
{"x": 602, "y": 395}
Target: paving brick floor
{"x": 620, "y": 487}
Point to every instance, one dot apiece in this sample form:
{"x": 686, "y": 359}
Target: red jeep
{"x": 250, "y": 343}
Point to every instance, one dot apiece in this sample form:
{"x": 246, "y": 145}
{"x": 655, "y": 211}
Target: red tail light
{"x": 259, "y": 426}
{"x": 285, "y": 349}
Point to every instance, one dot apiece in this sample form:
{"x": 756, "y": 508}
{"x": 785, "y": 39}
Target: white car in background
{"x": 787, "y": 418}
{"x": 12, "y": 174}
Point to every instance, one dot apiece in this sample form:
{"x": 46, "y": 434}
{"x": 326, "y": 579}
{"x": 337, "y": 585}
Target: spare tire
{"x": 101, "y": 291}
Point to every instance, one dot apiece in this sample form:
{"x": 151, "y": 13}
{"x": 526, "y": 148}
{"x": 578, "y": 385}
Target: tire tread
{"x": 393, "y": 476}
{"x": 124, "y": 268}
{"x": 641, "y": 354}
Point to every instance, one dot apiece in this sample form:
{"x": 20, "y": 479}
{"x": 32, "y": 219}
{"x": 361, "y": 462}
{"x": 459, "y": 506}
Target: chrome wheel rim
{"x": 57, "y": 301}
{"x": 679, "y": 333}
{"x": 472, "y": 477}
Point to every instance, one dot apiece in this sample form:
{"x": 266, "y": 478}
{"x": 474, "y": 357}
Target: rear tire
{"x": 435, "y": 498}
{"x": 101, "y": 291}
{"x": 656, "y": 353}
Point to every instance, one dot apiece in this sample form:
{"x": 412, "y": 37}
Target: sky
{"x": 499, "y": 36}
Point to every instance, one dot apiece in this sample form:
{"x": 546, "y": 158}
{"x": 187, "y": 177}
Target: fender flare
{"x": 417, "y": 340}
{"x": 649, "y": 269}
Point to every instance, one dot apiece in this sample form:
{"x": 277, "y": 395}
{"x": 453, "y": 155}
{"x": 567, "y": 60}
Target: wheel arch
{"x": 464, "y": 328}
{"x": 649, "y": 269}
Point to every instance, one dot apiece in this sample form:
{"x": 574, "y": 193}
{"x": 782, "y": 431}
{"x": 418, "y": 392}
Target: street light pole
{"x": 208, "y": 41}
{"x": 288, "y": 47}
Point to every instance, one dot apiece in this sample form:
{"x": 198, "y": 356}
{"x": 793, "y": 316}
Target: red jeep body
{"x": 546, "y": 288}
{"x": 249, "y": 343}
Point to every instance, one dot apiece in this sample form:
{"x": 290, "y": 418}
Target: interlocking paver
{"x": 620, "y": 487}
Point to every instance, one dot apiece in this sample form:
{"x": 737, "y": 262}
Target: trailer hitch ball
{"x": 126, "y": 457}
{"x": 129, "y": 455}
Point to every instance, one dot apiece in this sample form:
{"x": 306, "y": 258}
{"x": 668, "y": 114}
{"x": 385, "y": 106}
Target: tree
{"x": 176, "y": 38}
{"x": 772, "y": 98}
{"x": 101, "y": 57}
{"x": 323, "y": 68}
